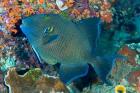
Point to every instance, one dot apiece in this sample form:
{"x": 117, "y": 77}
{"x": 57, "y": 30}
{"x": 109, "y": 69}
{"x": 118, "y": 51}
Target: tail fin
{"x": 103, "y": 66}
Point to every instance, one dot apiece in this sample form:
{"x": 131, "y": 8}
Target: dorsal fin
{"x": 92, "y": 26}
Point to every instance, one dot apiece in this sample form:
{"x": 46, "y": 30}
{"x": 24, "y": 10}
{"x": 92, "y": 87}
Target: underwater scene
{"x": 69, "y": 46}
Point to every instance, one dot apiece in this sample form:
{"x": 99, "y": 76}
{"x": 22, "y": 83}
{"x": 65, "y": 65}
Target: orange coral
{"x": 14, "y": 31}
{"x": 104, "y": 13}
{"x": 4, "y": 3}
{"x": 105, "y": 5}
{"x": 12, "y": 21}
{"x": 8, "y": 26}
{"x": 41, "y": 1}
{"x": 97, "y": 14}
{"x": 106, "y": 16}
{"x": 41, "y": 10}
{"x": 68, "y": 3}
{"x": 14, "y": 10}
{"x": 1, "y": 19}
{"x": 28, "y": 11}
{"x": 12, "y": 16}
{"x": 53, "y": 6}
{"x": 23, "y": 1}
{"x": 75, "y": 12}
{"x": 86, "y": 13}
{"x": 129, "y": 53}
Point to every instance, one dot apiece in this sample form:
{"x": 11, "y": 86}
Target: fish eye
{"x": 46, "y": 30}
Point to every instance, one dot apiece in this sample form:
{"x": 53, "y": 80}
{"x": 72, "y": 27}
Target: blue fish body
{"x": 74, "y": 45}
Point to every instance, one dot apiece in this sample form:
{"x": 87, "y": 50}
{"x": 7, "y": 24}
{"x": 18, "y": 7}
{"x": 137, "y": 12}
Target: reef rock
{"x": 33, "y": 81}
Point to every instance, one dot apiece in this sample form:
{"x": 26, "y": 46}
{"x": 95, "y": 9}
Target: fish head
{"x": 44, "y": 33}
{"x": 37, "y": 27}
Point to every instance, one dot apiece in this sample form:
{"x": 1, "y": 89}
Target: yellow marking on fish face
{"x": 120, "y": 89}
{"x": 50, "y": 29}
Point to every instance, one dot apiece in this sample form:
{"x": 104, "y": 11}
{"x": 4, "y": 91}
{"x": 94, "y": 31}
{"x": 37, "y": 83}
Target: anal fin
{"x": 70, "y": 72}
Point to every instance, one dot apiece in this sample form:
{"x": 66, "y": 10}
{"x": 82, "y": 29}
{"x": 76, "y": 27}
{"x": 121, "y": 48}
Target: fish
{"x": 72, "y": 44}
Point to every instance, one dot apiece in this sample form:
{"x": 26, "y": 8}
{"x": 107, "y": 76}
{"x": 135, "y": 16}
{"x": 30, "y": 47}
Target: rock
{"x": 33, "y": 81}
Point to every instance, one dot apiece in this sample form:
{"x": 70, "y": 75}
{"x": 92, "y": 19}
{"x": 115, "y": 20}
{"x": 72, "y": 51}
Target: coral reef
{"x": 7, "y": 63}
{"x": 15, "y": 10}
{"x": 120, "y": 25}
{"x": 107, "y": 89}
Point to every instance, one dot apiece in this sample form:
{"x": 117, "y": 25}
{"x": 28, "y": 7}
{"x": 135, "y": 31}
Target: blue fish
{"x": 74, "y": 45}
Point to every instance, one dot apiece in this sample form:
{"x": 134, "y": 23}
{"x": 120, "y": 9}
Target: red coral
{"x": 130, "y": 54}
{"x": 106, "y": 16}
{"x": 134, "y": 79}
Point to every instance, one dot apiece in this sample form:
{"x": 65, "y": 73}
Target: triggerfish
{"x": 74, "y": 45}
